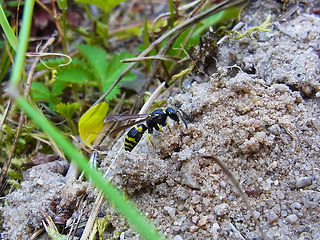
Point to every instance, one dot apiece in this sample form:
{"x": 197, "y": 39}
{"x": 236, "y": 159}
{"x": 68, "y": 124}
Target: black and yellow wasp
{"x": 154, "y": 120}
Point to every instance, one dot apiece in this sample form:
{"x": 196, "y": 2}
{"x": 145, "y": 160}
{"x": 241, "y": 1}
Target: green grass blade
{"x": 8, "y": 30}
{"x": 22, "y": 43}
{"x": 132, "y": 214}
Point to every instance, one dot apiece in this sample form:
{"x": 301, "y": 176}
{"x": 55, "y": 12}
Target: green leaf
{"x": 17, "y": 162}
{"x": 57, "y": 88}
{"x": 14, "y": 183}
{"x": 107, "y": 6}
{"x": 133, "y": 31}
{"x": 114, "y": 69}
{"x": 115, "y": 62}
{"x": 115, "y": 91}
{"x": 97, "y": 59}
{"x": 40, "y": 91}
{"x": 63, "y": 4}
{"x": 14, "y": 174}
{"x": 67, "y": 110}
{"x": 102, "y": 224}
{"x": 74, "y": 74}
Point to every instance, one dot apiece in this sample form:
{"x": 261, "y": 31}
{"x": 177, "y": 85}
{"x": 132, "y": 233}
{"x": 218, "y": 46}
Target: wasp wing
{"x": 119, "y": 129}
{"x": 119, "y": 117}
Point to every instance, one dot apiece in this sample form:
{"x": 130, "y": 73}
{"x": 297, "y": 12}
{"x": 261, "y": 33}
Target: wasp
{"x": 154, "y": 121}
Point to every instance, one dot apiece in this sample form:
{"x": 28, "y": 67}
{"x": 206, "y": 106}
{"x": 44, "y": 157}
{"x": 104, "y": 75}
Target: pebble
{"x": 260, "y": 136}
{"x": 177, "y": 238}
{"x": 182, "y": 196}
{"x": 272, "y": 217}
{"x": 280, "y": 195}
{"x": 170, "y": 210}
{"x": 175, "y": 229}
{"x": 256, "y": 214}
{"x": 296, "y": 205}
{"x": 316, "y": 124}
{"x": 266, "y": 185}
{"x": 275, "y": 129}
{"x": 222, "y": 209}
{"x": 292, "y": 218}
{"x": 284, "y": 213}
{"x": 280, "y": 87}
{"x": 203, "y": 221}
{"x": 196, "y": 199}
{"x": 195, "y": 219}
{"x": 214, "y": 229}
{"x": 303, "y": 182}
{"x": 274, "y": 165}
{"x": 193, "y": 228}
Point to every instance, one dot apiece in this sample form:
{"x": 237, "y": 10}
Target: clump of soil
{"x": 258, "y": 113}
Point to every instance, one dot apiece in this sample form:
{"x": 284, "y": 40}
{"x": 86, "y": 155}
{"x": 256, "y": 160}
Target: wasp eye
{"x": 172, "y": 114}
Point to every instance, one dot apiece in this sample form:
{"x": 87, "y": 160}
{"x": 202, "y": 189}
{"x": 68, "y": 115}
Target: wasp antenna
{"x": 183, "y": 117}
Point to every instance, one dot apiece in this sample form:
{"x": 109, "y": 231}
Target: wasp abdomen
{"x": 134, "y": 136}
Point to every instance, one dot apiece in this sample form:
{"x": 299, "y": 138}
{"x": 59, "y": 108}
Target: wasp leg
{"x": 160, "y": 128}
{"x": 149, "y": 139}
{"x": 168, "y": 125}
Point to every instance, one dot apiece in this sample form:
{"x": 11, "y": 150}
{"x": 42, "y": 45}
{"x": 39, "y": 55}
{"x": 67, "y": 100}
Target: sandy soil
{"x": 258, "y": 113}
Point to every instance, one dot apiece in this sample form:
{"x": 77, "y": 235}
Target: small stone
{"x": 215, "y": 228}
{"x": 199, "y": 208}
{"x": 193, "y": 228}
{"x": 222, "y": 209}
{"x": 40, "y": 182}
{"x": 175, "y": 228}
{"x": 266, "y": 185}
{"x": 196, "y": 199}
{"x": 171, "y": 211}
{"x": 279, "y": 87}
{"x": 260, "y": 136}
{"x": 256, "y": 214}
{"x": 206, "y": 201}
{"x": 292, "y": 218}
{"x": 180, "y": 208}
{"x": 275, "y": 129}
{"x": 203, "y": 221}
{"x": 303, "y": 182}
{"x": 284, "y": 213}
{"x": 280, "y": 195}
{"x": 182, "y": 196}
{"x": 195, "y": 219}
{"x": 272, "y": 217}
{"x": 316, "y": 124}
{"x": 177, "y": 238}
{"x": 307, "y": 90}
{"x": 214, "y": 99}
{"x": 296, "y": 205}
